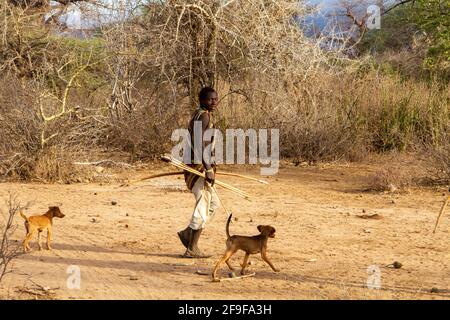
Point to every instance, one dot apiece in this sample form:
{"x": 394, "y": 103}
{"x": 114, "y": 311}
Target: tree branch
{"x": 396, "y": 5}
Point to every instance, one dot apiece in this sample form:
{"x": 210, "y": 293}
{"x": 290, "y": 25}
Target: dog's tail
{"x": 227, "y": 228}
{"x": 23, "y": 216}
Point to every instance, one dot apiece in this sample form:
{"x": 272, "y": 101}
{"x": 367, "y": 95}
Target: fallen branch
{"x": 441, "y": 212}
{"x": 237, "y": 277}
{"x": 30, "y": 291}
{"x": 38, "y": 290}
{"x": 97, "y": 163}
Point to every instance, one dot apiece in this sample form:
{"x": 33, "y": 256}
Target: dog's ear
{"x": 260, "y": 227}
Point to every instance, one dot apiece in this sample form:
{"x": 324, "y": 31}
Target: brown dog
{"x": 40, "y": 223}
{"x": 251, "y": 245}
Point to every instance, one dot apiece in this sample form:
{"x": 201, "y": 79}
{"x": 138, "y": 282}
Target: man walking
{"x": 206, "y": 198}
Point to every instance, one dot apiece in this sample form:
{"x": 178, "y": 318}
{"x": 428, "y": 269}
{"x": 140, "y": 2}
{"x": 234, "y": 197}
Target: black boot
{"x": 192, "y": 250}
{"x": 185, "y": 236}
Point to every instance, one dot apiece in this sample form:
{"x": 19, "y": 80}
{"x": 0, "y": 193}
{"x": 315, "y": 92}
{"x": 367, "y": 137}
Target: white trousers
{"x": 206, "y": 204}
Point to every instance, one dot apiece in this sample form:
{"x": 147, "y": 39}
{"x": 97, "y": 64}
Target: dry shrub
{"x": 441, "y": 160}
{"x": 397, "y": 172}
{"x": 8, "y": 250}
{"x": 144, "y": 131}
{"x": 22, "y": 153}
{"x": 346, "y": 115}
{"x": 390, "y": 179}
{"x": 57, "y": 165}
{"x": 23, "y": 46}
{"x": 438, "y": 159}
{"x": 19, "y": 131}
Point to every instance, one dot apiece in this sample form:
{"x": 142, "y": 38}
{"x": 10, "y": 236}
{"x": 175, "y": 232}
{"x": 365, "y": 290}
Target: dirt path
{"x": 131, "y": 251}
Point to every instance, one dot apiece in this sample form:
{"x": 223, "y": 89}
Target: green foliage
{"x": 416, "y": 25}
{"x": 72, "y": 54}
{"x": 433, "y": 17}
{"x": 395, "y": 33}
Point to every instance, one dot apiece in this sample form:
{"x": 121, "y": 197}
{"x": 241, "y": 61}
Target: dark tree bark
{"x": 41, "y": 3}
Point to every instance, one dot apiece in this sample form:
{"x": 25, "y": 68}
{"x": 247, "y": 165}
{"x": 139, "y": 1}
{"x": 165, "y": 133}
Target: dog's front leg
{"x": 49, "y": 238}
{"x": 266, "y": 259}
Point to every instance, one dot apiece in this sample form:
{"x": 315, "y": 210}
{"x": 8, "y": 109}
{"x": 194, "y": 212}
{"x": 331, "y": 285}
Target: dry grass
{"x": 439, "y": 161}
{"x": 391, "y": 179}
{"x": 347, "y": 115}
{"x": 398, "y": 172}
{"x": 57, "y": 165}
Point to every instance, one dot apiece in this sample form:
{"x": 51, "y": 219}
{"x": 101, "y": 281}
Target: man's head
{"x": 208, "y": 98}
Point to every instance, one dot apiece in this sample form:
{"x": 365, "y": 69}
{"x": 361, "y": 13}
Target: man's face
{"x": 210, "y": 102}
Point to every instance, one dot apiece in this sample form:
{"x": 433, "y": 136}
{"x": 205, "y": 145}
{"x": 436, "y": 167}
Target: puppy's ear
{"x": 259, "y": 228}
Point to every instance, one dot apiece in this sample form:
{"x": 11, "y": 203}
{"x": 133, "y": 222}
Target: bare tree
{"x": 44, "y": 100}
{"x": 182, "y": 46}
{"x": 8, "y": 250}
{"x": 23, "y": 44}
{"x": 60, "y": 98}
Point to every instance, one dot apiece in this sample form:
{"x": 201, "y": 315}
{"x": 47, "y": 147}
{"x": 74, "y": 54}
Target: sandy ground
{"x": 324, "y": 249}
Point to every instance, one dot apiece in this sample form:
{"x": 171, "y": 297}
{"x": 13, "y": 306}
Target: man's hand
{"x": 210, "y": 176}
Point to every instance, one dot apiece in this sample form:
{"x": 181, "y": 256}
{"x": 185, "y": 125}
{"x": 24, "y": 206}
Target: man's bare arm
{"x": 205, "y": 119}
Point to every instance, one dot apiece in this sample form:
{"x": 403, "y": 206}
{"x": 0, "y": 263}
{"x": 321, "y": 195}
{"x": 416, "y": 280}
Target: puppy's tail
{"x": 23, "y": 216}
{"x": 227, "y": 228}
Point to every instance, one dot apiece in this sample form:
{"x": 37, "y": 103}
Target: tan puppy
{"x": 40, "y": 223}
{"x": 251, "y": 245}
